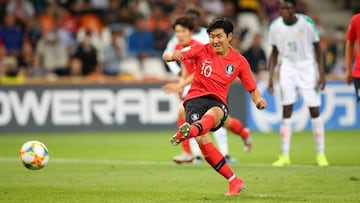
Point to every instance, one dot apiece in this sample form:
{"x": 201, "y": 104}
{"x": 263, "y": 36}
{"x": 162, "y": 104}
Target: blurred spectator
{"x": 26, "y": 61}
{"x": 115, "y": 51}
{"x": 66, "y": 37}
{"x": 160, "y": 26}
{"x": 87, "y": 53}
{"x": 230, "y": 11}
{"x": 113, "y": 13}
{"x": 33, "y": 32}
{"x": 10, "y": 72}
{"x": 158, "y": 19}
{"x": 140, "y": 6}
{"x": 250, "y": 17}
{"x": 302, "y": 7}
{"x": 99, "y": 6}
{"x": 3, "y": 5}
{"x": 271, "y": 9}
{"x": 141, "y": 40}
{"x": 22, "y": 9}
{"x": 335, "y": 53}
{"x": 75, "y": 68}
{"x": 141, "y": 46}
{"x": 256, "y": 55}
{"x": 39, "y": 5}
{"x": 12, "y": 36}
{"x": 213, "y": 8}
{"x": 2, "y": 50}
{"x": 51, "y": 56}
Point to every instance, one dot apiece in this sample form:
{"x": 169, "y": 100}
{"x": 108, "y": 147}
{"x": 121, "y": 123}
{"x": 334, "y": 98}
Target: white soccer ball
{"x": 34, "y": 155}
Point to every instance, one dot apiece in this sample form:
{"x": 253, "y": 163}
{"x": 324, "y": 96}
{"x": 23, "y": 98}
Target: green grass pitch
{"x": 137, "y": 167}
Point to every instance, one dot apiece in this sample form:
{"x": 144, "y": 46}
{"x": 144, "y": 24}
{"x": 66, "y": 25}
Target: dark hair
{"x": 293, "y": 2}
{"x": 221, "y": 23}
{"x": 185, "y": 22}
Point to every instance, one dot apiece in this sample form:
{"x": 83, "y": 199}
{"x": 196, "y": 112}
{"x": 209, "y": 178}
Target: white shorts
{"x": 302, "y": 79}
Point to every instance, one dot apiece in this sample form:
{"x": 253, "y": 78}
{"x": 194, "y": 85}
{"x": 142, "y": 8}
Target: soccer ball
{"x": 34, "y": 155}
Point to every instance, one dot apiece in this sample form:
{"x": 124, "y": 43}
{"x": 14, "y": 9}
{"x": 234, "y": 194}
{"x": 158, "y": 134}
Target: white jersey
{"x": 200, "y": 36}
{"x": 295, "y": 42}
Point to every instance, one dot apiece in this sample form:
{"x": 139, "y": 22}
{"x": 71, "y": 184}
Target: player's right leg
{"x": 215, "y": 159}
{"x": 289, "y": 79}
{"x": 285, "y": 133}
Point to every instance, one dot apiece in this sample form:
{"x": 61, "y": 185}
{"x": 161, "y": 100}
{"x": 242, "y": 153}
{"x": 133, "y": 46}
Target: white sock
{"x": 285, "y": 133}
{"x": 195, "y": 149}
{"x": 319, "y": 134}
{"x": 222, "y": 141}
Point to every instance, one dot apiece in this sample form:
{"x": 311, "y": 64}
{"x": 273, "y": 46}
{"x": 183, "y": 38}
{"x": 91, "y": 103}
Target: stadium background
{"x": 38, "y": 98}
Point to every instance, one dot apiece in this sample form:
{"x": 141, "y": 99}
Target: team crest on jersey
{"x": 195, "y": 116}
{"x": 230, "y": 68}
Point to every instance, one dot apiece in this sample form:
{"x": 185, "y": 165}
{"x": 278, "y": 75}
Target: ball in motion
{"x": 34, "y": 155}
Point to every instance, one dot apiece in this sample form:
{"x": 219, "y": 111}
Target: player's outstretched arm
{"x": 259, "y": 102}
{"x": 172, "y": 56}
{"x": 320, "y": 63}
{"x": 272, "y": 64}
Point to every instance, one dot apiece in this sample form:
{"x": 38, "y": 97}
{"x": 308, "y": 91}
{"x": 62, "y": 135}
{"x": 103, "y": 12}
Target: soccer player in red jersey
{"x": 217, "y": 66}
{"x": 183, "y": 29}
{"x": 353, "y": 35}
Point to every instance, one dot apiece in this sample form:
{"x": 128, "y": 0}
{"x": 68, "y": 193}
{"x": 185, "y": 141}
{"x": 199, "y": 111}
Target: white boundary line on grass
{"x": 164, "y": 163}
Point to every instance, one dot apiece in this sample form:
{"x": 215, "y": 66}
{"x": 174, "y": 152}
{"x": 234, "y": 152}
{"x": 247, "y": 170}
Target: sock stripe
{"x": 220, "y": 164}
{"x": 199, "y": 126}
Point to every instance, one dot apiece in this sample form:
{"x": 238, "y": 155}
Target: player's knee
{"x": 287, "y": 111}
{"x": 203, "y": 139}
{"x": 314, "y": 112}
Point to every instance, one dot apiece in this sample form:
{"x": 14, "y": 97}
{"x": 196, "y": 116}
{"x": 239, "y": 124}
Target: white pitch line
{"x": 164, "y": 163}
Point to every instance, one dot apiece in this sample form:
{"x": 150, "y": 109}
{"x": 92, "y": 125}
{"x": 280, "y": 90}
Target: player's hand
{"x": 271, "y": 87}
{"x": 177, "y": 56}
{"x": 261, "y": 103}
{"x": 171, "y": 87}
{"x": 321, "y": 83}
{"x": 348, "y": 77}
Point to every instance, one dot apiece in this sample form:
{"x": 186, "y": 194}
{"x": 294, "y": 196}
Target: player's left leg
{"x": 319, "y": 135}
{"x": 237, "y": 128}
{"x": 312, "y": 99}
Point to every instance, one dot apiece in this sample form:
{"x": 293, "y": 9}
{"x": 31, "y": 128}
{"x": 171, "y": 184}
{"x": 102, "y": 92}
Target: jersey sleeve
{"x": 190, "y": 52}
{"x": 351, "y": 33}
{"x": 245, "y": 74}
{"x": 314, "y": 35}
{"x": 272, "y": 36}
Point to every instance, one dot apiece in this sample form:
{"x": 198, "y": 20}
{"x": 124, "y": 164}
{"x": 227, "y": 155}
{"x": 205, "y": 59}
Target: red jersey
{"x": 189, "y": 64}
{"x": 352, "y": 35}
{"x": 214, "y": 74}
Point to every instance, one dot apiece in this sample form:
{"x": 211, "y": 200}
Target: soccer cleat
{"x": 235, "y": 186}
{"x": 183, "y": 158}
{"x": 321, "y": 160}
{"x": 230, "y": 159}
{"x": 197, "y": 160}
{"x": 181, "y": 134}
{"x": 282, "y": 161}
{"x": 248, "y": 141}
